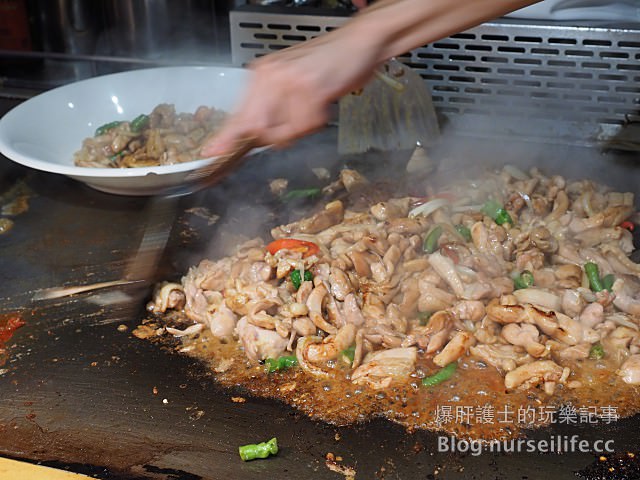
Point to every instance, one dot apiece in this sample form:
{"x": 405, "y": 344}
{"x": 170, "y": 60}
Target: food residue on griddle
{"x": 204, "y": 213}
{"x": 6, "y": 224}
{"x": 620, "y": 466}
{"x": 9, "y": 323}
{"x": 13, "y": 202}
{"x": 334, "y": 464}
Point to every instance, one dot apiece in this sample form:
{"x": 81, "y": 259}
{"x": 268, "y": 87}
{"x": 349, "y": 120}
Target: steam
{"x": 473, "y": 144}
{"x": 248, "y": 209}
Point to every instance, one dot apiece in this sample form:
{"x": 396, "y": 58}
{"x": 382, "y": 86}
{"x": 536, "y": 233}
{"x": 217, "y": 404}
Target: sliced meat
{"x": 533, "y": 374}
{"x": 379, "y": 369}
{"x": 455, "y": 349}
{"x": 630, "y": 370}
{"x": 260, "y": 343}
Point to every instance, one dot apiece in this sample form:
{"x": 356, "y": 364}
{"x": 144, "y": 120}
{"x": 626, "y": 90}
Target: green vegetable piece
{"x": 593, "y": 274}
{"x": 139, "y": 123}
{"x": 430, "y": 243}
{"x": 296, "y": 278}
{"x": 493, "y": 209}
{"x": 301, "y": 193}
{"x": 440, "y": 376}
{"x": 280, "y": 363}
{"x": 596, "y": 352}
{"x": 503, "y": 217}
{"x": 524, "y": 280}
{"x": 425, "y": 317}
{"x": 258, "y": 450}
{"x": 464, "y": 232}
{"x": 106, "y": 127}
{"x": 349, "y": 353}
{"x": 608, "y": 281}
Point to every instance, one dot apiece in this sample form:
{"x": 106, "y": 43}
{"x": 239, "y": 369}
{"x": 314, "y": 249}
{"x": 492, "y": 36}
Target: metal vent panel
{"x": 570, "y": 73}
{"x": 574, "y": 81}
{"x": 254, "y": 34}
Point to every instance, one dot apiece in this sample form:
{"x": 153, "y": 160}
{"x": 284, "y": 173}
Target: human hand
{"x": 290, "y": 91}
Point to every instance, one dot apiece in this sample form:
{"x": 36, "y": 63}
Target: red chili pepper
{"x": 628, "y": 225}
{"x": 306, "y": 248}
{"x": 6, "y": 331}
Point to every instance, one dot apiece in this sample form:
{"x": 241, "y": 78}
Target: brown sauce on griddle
{"x": 473, "y": 404}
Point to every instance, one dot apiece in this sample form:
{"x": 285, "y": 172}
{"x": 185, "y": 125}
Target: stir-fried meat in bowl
{"x": 162, "y": 138}
{"x": 527, "y": 274}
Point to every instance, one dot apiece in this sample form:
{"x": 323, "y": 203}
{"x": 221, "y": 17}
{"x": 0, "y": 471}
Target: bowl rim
{"x": 7, "y": 149}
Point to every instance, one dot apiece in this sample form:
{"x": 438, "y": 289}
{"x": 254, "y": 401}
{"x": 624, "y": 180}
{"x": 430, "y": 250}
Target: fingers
{"x": 275, "y": 119}
{"x": 225, "y": 140}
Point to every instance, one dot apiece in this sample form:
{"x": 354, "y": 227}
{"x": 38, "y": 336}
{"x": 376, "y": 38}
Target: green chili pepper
{"x": 596, "y": 352}
{"x": 593, "y": 274}
{"x": 608, "y": 281}
{"x": 425, "y": 317}
{"x": 349, "y": 353}
{"x": 440, "y": 376}
{"x": 464, "y": 232}
{"x": 106, "y": 127}
{"x": 258, "y": 450}
{"x": 139, "y": 123}
{"x": 280, "y": 363}
{"x": 301, "y": 193}
{"x": 524, "y": 280}
{"x": 296, "y": 278}
{"x": 430, "y": 244}
{"x": 493, "y": 209}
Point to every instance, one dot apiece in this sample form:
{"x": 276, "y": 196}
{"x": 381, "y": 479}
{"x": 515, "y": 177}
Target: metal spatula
{"x": 394, "y": 111}
{"x": 160, "y": 214}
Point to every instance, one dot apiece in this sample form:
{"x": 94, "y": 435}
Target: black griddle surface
{"x": 79, "y": 392}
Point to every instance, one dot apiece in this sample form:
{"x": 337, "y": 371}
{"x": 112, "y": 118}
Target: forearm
{"x": 397, "y": 26}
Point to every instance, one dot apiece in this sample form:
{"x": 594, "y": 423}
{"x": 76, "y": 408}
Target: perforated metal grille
{"x": 255, "y": 33}
{"x": 515, "y": 70}
{"x": 577, "y": 82}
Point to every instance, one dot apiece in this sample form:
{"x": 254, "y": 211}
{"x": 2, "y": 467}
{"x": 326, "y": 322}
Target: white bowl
{"x": 45, "y": 131}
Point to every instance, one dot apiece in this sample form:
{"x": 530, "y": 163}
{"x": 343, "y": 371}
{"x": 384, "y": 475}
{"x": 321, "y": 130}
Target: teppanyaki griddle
{"x": 80, "y": 393}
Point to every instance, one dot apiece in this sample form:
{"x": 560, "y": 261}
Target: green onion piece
{"x": 440, "y": 376}
{"x": 503, "y": 217}
{"x": 301, "y": 193}
{"x": 258, "y": 450}
{"x": 349, "y": 353}
{"x": 593, "y": 274}
{"x": 106, "y": 127}
{"x": 296, "y": 278}
{"x": 464, "y": 232}
{"x": 139, "y": 123}
{"x": 524, "y": 280}
{"x": 280, "y": 363}
{"x": 425, "y": 317}
{"x": 608, "y": 281}
{"x": 430, "y": 244}
{"x": 493, "y": 209}
{"x": 596, "y": 352}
